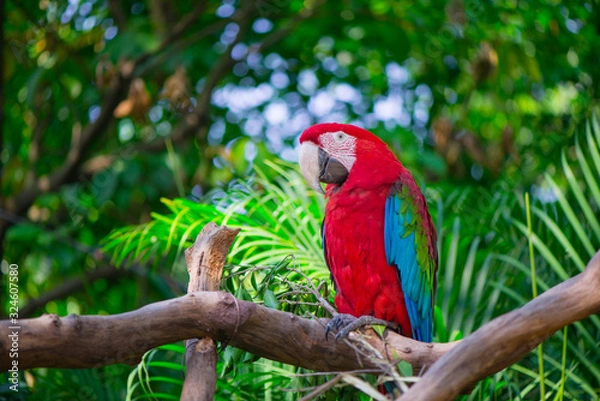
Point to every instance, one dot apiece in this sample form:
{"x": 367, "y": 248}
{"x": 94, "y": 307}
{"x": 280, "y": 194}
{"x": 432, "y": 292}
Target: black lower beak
{"x": 331, "y": 171}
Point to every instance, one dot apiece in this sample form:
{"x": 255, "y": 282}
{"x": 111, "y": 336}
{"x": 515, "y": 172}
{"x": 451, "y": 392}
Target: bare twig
{"x": 185, "y": 23}
{"x": 385, "y": 363}
{"x": 90, "y": 341}
{"x": 328, "y": 385}
{"x": 180, "y": 28}
{"x": 310, "y": 288}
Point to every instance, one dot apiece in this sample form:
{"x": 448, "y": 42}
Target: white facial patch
{"x": 309, "y": 165}
{"x": 340, "y": 146}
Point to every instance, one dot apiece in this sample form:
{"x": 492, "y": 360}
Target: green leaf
{"x": 270, "y": 299}
{"x": 405, "y": 368}
{"x": 379, "y": 329}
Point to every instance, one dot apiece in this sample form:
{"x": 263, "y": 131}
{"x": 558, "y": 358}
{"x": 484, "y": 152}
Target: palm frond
{"x": 277, "y": 217}
{"x": 565, "y": 238}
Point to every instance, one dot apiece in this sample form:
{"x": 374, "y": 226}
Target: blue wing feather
{"x": 401, "y": 251}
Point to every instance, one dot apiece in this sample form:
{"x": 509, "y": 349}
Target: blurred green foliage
{"x": 110, "y": 106}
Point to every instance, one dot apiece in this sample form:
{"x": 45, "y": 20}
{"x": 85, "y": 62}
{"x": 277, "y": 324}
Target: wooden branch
{"x": 201, "y": 370}
{"x": 205, "y": 261}
{"x": 510, "y": 337}
{"x": 206, "y": 258}
{"x": 91, "y": 341}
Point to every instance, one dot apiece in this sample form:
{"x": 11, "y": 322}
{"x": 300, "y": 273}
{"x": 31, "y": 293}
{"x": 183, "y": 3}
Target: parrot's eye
{"x": 340, "y": 136}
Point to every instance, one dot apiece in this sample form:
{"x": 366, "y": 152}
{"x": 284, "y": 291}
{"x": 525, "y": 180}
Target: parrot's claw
{"x": 340, "y": 320}
{"x": 344, "y": 324}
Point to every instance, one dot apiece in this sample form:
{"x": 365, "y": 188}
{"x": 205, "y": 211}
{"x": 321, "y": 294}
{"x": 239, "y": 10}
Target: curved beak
{"x": 318, "y": 166}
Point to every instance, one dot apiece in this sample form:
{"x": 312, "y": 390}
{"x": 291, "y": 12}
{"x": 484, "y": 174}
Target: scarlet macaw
{"x": 378, "y": 237}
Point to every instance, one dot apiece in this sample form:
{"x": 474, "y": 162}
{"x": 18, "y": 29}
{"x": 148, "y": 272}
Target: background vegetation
{"x": 126, "y": 125}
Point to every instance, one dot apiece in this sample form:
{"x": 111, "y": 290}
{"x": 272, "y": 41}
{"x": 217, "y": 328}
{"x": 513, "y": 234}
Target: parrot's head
{"x": 334, "y": 153}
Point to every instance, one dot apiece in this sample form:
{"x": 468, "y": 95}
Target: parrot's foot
{"x": 344, "y": 324}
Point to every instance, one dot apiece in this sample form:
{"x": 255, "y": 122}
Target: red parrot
{"x": 378, "y": 238}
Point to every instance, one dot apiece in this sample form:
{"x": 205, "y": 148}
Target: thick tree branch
{"x": 510, "y": 337}
{"x": 91, "y": 341}
{"x": 87, "y": 341}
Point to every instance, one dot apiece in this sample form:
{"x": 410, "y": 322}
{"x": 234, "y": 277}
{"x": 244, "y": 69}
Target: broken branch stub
{"x": 205, "y": 261}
